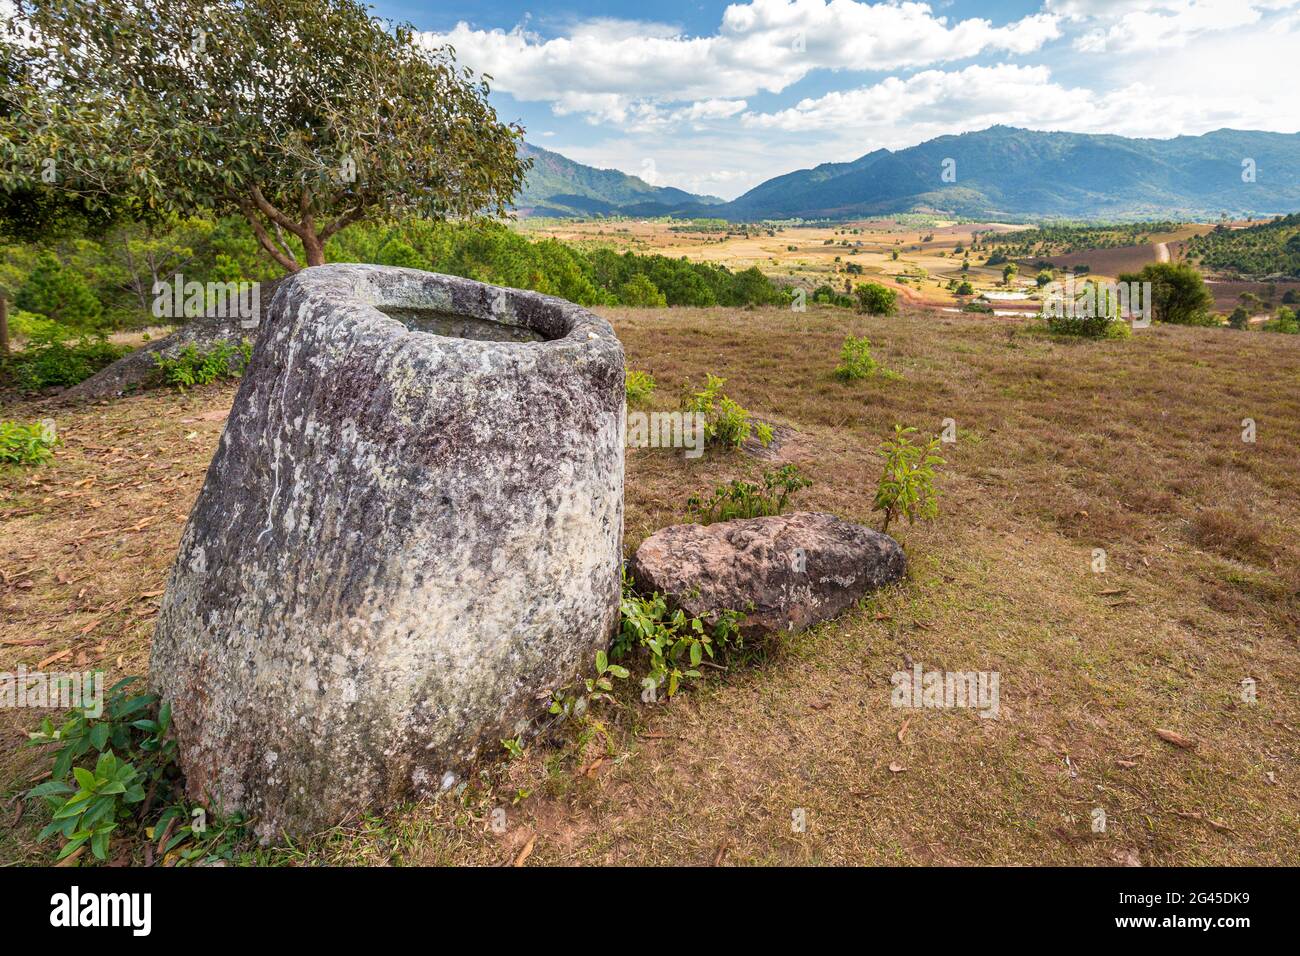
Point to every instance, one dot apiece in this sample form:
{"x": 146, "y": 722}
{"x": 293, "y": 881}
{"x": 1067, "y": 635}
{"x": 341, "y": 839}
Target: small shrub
{"x": 1240, "y": 318}
{"x": 745, "y": 499}
{"x": 49, "y": 362}
{"x": 876, "y": 299}
{"x": 725, "y": 422}
{"x": 1285, "y": 322}
{"x": 906, "y": 487}
{"x": 639, "y": 385}
{"x": 856, "y": 362}
{"x": 26, "y": 444}
{"x": 676, "y": 644}
{"x": 193, "y": 367}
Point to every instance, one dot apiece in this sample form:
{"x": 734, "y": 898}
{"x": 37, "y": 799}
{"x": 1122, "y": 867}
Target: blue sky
{"x": 716, "y": 97}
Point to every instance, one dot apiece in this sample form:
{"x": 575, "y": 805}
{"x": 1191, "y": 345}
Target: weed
{"x": 193, "y": 367}
{"x": 639, "y": 385}
{"x": 26, "y": 444}
{"x": 906, "y": 487}
{"x": 726, "y": 423}
{"x": 744, "y": 499}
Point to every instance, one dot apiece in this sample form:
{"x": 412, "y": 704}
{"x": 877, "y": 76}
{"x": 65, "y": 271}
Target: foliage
{"x": 745, "y": 499}
{"x": 639, "y": 385}
{"x": 906, "y": 486}
{"x": 676, "y": 644}
{"x": 1094, "y": 314}
{"x": 131, "y": 750}
{"x": 876, "y": 299}
{"x": 856, "y": 361}
{"x": 1285, "y": 322}
{"x": 1264, "y": 249}
{"x": 188, "y": 105}
{"x": 51, "y": 362}
{"x": 26, "y": 444}
{"x": 1178, "y": 293}
{"x": 1239, "y": 319}
{"x": 640, "y": 291}
{"x": 725, "y": 422}
{"x": 194, "y": 367}
{"x": 59, "y": 294}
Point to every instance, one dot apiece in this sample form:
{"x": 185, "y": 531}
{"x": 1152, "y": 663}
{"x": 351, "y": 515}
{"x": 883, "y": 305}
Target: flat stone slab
{"x": 785, "y": 572}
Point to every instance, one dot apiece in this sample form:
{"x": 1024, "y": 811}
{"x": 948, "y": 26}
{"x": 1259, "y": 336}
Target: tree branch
{"x": 341, "y": 220}
{"x": 286, "y": 260}
{"x": 275, "y": 215}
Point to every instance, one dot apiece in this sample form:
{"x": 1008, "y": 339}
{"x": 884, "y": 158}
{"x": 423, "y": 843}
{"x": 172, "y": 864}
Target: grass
{"x": 1062, "y": 447}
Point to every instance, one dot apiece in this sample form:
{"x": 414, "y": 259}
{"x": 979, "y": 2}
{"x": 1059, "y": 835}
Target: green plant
{"x": 132, "y": 751}
{"x": 744, "y": 499}
{"x": 725, "y": 422}
{"x": 193, "y": 367}
{"x": 876, "y": 299}
{"x": 26, "y": 444}
{"x": 856, "y": 361}
{"x": 641, "y": 292}
{"x": 676, "y": 644}
{"x": 639, "y": 385}
{"x": 1239, "y": 319}
{"x": 906, "y": 486}
{"x": 51, "y": 362}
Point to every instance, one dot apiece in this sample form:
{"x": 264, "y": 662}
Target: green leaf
{"x": 85, "y": 778}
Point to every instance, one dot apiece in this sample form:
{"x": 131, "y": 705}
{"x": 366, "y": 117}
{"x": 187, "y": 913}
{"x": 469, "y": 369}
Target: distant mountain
{"x": 1017, "y": 174}
{"x": 557, "y": 186}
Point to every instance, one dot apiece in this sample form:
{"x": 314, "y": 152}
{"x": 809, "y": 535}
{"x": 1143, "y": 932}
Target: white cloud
{"x": 1122, "y": 26}
{"x": 621, "y": 71}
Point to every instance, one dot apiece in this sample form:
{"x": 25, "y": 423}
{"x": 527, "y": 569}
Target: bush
{"x": 642, "y": 293}
{"x": 193, "y": 367}
{"x": 1239, "y": 319}
{"x": 855, "y": 360}
{"x": 906, "y": 487}
{"x": 876, "y": 299}
{"x": 1178, "y": 293}
{"x": 53, "y": 363}
{"x": 638, "y": 385}
{"x": 1285, "y": 322}
{"x": 725, "y": 422}
{"x": 744, "y": 499}
{"x": 26, "y": 444}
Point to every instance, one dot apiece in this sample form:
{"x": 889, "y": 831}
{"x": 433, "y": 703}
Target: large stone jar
{"x": 409, "y": 534}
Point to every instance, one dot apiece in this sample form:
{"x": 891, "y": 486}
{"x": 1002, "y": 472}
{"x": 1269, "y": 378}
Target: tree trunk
{"x": 4, "y": 325}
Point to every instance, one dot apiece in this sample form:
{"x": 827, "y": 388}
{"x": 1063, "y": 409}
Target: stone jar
{"x": 410, "y": 534}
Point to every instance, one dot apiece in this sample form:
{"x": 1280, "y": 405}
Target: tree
{"x": 965, "y": 288}
{"x": 1009, "y": 272}
{"x": 876, "y": 299}
{"x": 1178, "y": 292}
{"x": 301, "y": 115}
{"x": 1043, "y": 278}
{"x": 1239, "y": 319}
{"x": 640, "y": 291}
{"x": 59, "y": 294}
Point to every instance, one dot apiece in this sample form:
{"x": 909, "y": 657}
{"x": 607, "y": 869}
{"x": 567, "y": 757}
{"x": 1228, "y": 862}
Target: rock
{"x": 785, "y": 572}
{"x": 204, "y": 332}
{"x": 405, "y": 540}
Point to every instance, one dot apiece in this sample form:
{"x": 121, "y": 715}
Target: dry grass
{"x": 1063, "y": 447}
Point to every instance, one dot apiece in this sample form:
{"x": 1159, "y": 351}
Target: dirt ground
{"x": 1062, "y": 448}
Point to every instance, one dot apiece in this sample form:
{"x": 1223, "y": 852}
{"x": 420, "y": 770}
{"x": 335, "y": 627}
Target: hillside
{"x": 1266, "y": 249}
{"x": 558, "y": 186}
{"x": 1005, "y": 173}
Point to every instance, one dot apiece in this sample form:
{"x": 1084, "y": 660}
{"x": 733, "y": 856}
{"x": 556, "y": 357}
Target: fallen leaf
{"x": 903, "y": 729}
{"x": 1126, "y": 763}
{"x": 896, "y": 768}
{"x": 526, "y": 852}
{"x": 1175, "y": 738}
{"x": 52, "y": 658}
{"x": 720, "y": 853}
{"x": 1126, "y": 856}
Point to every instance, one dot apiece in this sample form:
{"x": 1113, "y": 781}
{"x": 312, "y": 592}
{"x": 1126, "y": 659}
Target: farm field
{"x": 1134, "y": 447}
{"x": 809, "y": 256}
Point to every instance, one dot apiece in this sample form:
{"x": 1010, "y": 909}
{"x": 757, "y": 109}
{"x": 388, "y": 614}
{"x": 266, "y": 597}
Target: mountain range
{"x": 1000, "y": 173}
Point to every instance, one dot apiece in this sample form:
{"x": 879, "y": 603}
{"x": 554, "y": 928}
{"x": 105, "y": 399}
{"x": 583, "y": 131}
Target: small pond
{"x": 459, "y": 326}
